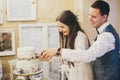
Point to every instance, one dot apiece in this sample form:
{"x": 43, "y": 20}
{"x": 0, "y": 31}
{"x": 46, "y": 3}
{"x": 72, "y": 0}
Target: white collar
{"x": 101, "y": 28}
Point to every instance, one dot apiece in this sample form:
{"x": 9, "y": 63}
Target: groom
{"x": 104, "y": 52}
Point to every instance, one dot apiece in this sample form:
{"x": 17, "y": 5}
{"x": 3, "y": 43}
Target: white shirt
{"x": 105, "y": 42}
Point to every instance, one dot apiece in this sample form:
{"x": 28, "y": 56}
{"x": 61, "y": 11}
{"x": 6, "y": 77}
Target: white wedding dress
{"x": 81, "y": 71}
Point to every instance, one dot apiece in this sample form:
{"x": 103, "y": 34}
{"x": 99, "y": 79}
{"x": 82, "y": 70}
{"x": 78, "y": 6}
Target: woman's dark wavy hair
{"x": 69, "y": 19}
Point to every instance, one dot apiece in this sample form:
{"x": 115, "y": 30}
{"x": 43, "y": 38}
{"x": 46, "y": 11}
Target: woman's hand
{"x": 47, "y": 54}
{"x": 50, "y": 52}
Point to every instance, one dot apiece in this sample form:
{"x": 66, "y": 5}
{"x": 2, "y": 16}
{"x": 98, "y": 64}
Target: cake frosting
{"x": 26, "y": 62}
{"x": 25, "y": 53}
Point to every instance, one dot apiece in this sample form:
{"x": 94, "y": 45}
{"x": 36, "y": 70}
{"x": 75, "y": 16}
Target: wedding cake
{"x": 26, "y": 62}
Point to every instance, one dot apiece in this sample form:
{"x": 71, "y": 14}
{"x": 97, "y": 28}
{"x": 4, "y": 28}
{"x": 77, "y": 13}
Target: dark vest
{"x": 107, "y": 67}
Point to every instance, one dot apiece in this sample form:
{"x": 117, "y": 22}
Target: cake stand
{"x": 27, "y": 75}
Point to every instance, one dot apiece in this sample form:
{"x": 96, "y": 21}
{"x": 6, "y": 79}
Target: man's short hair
{"x": 102, "y": 6}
